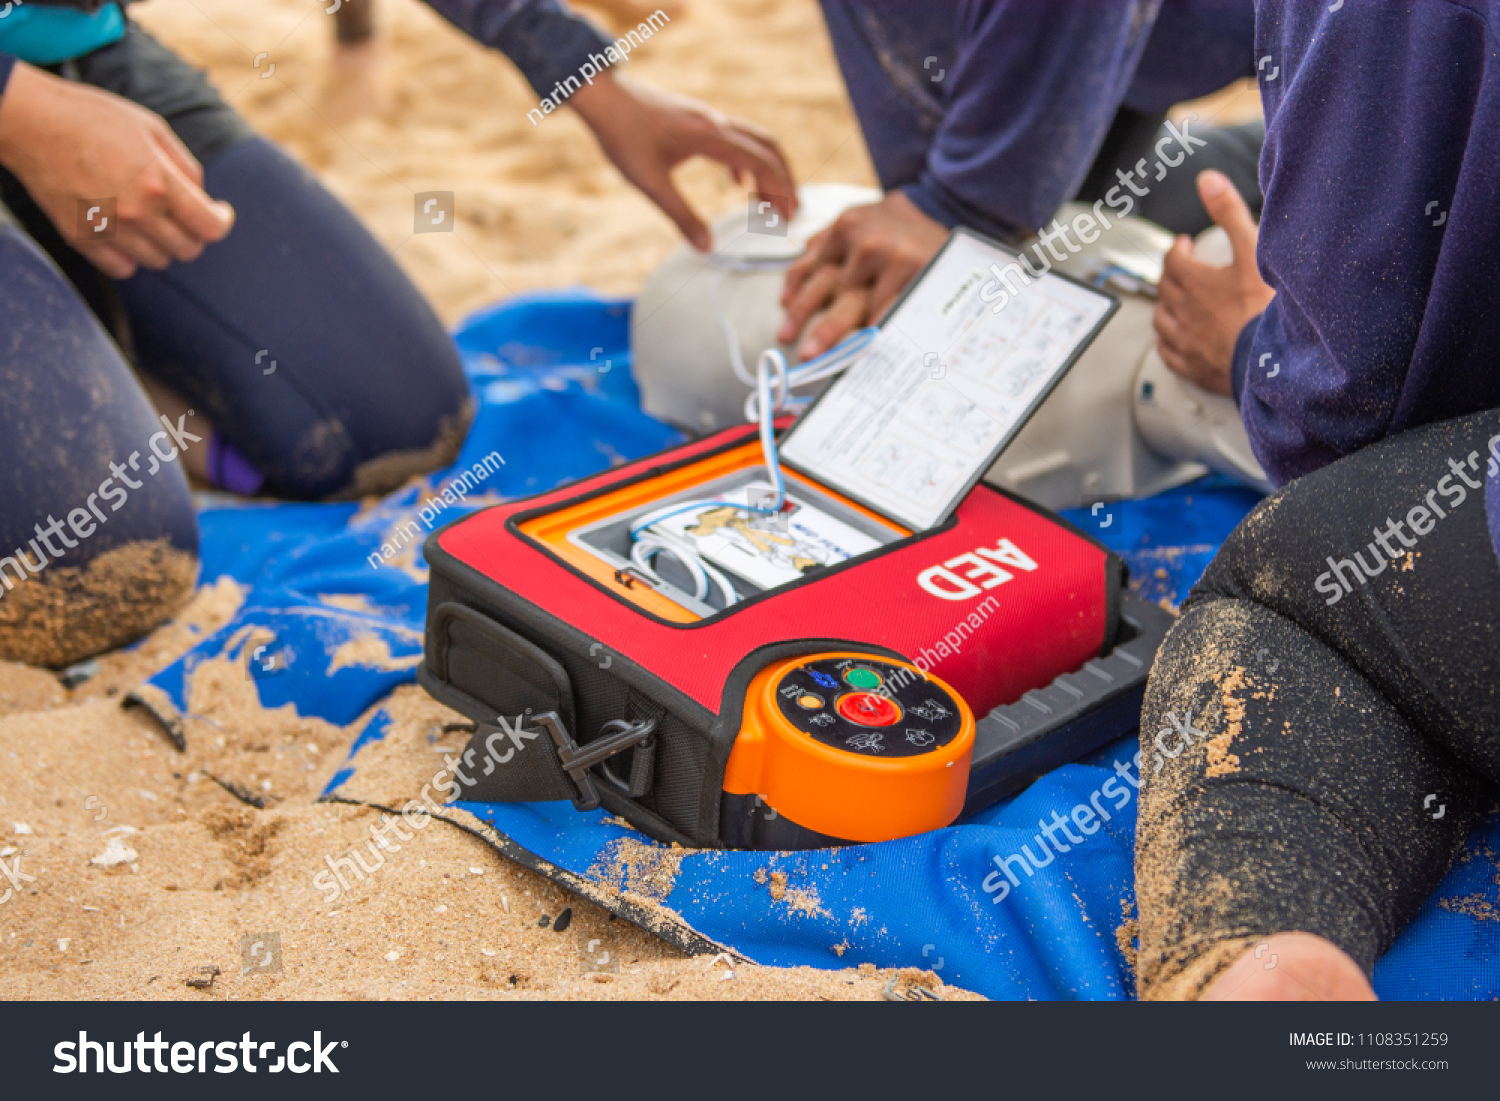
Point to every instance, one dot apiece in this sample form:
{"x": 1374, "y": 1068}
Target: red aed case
{"x": 587, "y": 683}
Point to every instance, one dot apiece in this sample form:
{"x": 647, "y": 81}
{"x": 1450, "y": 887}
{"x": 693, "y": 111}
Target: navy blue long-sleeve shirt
{"x": 990, "y": 112}
{"x": 1381, "y": 232}
{"x": 542, "y": 38}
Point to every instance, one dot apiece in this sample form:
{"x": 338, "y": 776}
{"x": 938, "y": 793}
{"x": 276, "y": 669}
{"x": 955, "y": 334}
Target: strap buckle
{"x": 577, "y": 760}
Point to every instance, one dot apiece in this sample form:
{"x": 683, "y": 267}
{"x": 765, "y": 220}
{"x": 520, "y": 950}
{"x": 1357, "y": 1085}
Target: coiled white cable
{"x": 760, "y": 406}
{"x": 650, "y": 544}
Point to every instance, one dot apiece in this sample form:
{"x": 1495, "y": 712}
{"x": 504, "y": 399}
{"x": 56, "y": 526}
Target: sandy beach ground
{"x": 143, "y": 872}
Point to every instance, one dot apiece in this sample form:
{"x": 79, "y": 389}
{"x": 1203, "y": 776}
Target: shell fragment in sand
{"x": 115, "y": 852}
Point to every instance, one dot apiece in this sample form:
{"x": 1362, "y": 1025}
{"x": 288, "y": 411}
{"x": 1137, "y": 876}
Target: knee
{"x": 1256, "y": 560}
{"x": 332, "y": 459}
{"x": 124, "y": 554}
{"x": 59, "y": 614}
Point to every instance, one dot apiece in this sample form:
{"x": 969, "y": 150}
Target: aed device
{"x": 861, "y": 645}
{"x": 871, "y": 699}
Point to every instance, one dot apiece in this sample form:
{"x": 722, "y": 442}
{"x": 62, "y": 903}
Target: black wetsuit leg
{"x": 1316, "y": 751}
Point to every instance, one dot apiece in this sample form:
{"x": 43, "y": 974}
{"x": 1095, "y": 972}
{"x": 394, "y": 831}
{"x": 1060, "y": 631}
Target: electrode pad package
{"x": 861, "y": 638}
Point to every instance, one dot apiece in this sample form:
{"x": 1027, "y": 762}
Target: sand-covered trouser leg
{"x": 1322, "y": 727}
{"x": 98, "y": 537}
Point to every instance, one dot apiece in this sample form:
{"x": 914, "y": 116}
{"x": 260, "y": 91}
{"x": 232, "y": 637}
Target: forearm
{"x": 939, "y": 202}
{"x": 541, "y": 37}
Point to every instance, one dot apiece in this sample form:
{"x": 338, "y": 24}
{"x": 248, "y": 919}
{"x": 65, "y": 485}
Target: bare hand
{"x": 1202, "y": 308}
{"x": 856, "y": 268}
{"x": 70, "y": 143}
{"x": 647, "y": 132}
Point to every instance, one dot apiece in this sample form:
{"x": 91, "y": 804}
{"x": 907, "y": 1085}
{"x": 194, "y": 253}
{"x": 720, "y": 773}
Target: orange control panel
{"x": 853, "y": 746}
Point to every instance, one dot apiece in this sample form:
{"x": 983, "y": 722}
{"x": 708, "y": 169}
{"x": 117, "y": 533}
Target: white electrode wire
{"x": 760, "y": 406}
{"x": 830, "y": 363}
{"x": 649, "y": 545}
{"x": 770, "y": 358}
{"x": 731, "y": 338}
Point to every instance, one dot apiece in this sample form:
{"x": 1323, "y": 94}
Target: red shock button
{"x": 868, "y": 709}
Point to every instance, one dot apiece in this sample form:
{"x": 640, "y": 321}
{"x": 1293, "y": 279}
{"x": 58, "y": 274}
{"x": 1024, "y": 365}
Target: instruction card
{"x": 947, "y": 384}
{"x": 749, "y": 547}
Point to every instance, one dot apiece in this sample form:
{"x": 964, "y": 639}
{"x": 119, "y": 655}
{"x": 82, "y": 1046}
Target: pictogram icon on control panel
{"x": 919, "y": 737}
{"x": 931, "y": 710}
{"x": 867, "y": 739}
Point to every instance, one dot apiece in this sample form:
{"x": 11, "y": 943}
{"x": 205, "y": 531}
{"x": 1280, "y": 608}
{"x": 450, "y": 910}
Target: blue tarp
{"x": 556, "y": 401}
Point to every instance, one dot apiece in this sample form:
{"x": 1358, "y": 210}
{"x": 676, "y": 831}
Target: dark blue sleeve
{"x": 541, "y": 37}
{"x": 1196, "y": 47}
{"x": 1239, "y": 365}
{"x": 7, "y": 63}
{"x": 1032, "y": 91}
{"x": 1379, "y": 237}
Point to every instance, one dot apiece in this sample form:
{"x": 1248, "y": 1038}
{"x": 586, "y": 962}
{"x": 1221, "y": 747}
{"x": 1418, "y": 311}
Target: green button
{"x": 860, "y": 677}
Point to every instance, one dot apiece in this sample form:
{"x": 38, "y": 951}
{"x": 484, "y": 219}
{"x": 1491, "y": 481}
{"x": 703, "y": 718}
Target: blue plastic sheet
{"x": 556, "y": 401}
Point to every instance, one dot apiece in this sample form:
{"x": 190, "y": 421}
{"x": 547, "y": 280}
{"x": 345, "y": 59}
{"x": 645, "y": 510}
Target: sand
{"x": 142, "y": 873}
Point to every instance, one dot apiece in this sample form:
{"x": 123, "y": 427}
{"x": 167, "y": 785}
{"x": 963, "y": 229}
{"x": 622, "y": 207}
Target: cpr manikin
{"x": 1118, "y": 425}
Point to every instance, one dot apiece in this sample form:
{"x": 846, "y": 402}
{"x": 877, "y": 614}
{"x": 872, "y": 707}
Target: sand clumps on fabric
{"x": 387, "y": 472}
{"x": 640, "y": 869}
